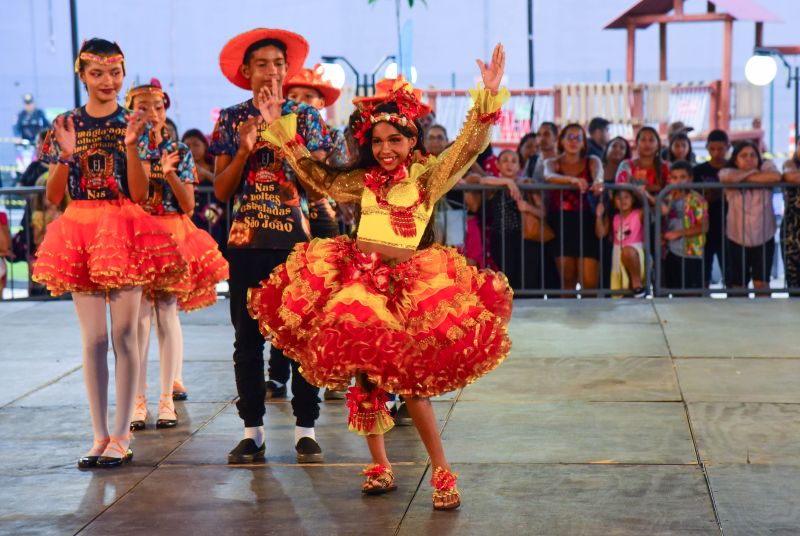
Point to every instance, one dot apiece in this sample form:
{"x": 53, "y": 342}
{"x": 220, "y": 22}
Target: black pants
{"x": 248, "y": 268}
{"x": 683, "y": 272}
{"x": 540, "y": 266}
{"x": 746, "y": 263}
{"x": 507, "y": 253}
{"x": 715, "y": 239}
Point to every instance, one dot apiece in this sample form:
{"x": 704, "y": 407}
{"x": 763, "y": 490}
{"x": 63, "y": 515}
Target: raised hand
{"x": 65, "y": 135}
{"x": 248, "y": 134}
{"x": 270, "y": 102}
{"x": 492, "y": 74}
{"x": 169, "y": 161}
{"x": 136, "y": 124}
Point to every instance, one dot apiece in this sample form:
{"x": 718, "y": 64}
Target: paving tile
{"x": 599, "y": 379}
{"x": 569, "y": 500}
{"x": 756, "y": 499}
{"x": 60, "y": 502}
{"x": 731, "y": 328}
{"x": 739, "y": 380}
{"x": 212, "y": 444}
{"x": 19, "y": 377}
{"x": 258, "y": 500}
{"x": 739, "y": 432}
{"x": 54, "y": 438}
{"x": 569, "y": 432}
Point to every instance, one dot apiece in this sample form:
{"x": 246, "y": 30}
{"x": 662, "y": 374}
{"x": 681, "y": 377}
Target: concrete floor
{"x": 609, "y": 417}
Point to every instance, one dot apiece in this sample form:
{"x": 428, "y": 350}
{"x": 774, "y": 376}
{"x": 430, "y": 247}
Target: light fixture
{"x": 760, "y": 69}
{"x": 333, "y": 73}
{"x": 391, "y": 72}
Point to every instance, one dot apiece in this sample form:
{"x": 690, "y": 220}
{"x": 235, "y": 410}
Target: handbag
{"x": 533, "y": 228}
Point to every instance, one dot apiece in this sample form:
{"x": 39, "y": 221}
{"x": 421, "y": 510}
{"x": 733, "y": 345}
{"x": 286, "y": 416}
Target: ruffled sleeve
{"x": 475, "y": 135}
{"x": 342, "y": 187}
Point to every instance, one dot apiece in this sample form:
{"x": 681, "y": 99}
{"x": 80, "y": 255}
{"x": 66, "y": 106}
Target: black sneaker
{"x": 273, "y": 391}
{"x": 401, "y": 416}
{"x": 247, "y": 452}
{"x": 639, "y": 292}
{"x": 308, "y": 451}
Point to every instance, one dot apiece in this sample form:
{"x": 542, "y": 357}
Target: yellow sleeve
{"x": 475, "y": 135}
{"x": 342, "y": 187}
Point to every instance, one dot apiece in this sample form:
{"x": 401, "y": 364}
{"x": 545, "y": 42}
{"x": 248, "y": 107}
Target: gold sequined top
{"x": 432, "y": 176}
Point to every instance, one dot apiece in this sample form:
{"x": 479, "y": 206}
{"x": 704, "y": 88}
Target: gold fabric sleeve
{"x": 342, "y": 187}
{"x": 475, "y": 135}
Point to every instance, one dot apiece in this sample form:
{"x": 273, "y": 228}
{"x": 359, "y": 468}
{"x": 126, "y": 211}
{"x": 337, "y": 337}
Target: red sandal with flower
{"x": 380, "y": 480}
{"x": 445, "y": 493}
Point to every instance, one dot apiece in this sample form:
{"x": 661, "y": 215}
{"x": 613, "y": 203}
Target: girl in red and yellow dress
{"x": 170, "y": 198}
{"x": 104, "y": 248}
{"x": 392, "y": 308}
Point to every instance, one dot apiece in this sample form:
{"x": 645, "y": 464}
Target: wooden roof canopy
{"x": 647, "y": 12}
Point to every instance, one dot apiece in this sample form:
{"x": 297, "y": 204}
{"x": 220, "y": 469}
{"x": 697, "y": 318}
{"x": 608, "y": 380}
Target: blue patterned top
{"x": 267, "y": 212}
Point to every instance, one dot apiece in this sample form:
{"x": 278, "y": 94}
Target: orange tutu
{"x": 422, "y": 327}
{"x": 97, "y": 246}
{"x": 206, "y": 265}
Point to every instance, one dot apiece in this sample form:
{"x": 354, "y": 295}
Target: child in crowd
{"x": 686, "y": 214}
{"x": 627, "y": 256}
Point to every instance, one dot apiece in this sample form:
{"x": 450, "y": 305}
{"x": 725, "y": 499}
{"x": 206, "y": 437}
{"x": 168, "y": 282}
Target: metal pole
{"x": 530, "y": 43}
{"x": 73, "y": 16}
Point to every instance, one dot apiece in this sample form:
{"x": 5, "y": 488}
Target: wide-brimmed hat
{"x": 313, "y": 78}
{"x": 232, "y": 55}
{"x": 386, "y": 88}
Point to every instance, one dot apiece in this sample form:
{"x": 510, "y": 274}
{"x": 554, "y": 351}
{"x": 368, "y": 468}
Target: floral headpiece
{"x": 409, "y": 108}
{"x": 104, "y": 60}
{"x": 153, "y": 88}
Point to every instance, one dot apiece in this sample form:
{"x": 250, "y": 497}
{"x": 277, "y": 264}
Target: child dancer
{"x": 170, "y": 198}
{"x": 105, "y": 247}
{"x": 394, "y": 309}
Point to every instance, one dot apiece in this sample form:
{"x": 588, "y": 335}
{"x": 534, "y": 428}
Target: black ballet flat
{"x": 109, "y": 462}
{"x": 87, "y": 462}
{"x": 138, "y": 425}
{"x": 166, "y": 423}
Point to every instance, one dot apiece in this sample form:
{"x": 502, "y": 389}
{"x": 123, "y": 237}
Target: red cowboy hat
{"x": 232, "y": 55}
{"x": 313, "y": 78}
{"x": 384, "y": 88}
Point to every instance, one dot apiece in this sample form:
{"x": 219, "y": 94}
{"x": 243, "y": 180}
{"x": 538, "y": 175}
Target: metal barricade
{"x": 513, "y": 254}
{"x": 738, "y": 263}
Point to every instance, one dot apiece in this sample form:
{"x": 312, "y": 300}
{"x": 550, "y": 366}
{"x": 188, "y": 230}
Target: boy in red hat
{"x": 267, "y": 222}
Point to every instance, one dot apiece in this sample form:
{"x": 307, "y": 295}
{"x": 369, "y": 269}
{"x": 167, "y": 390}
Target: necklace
{"x": 379, "y": 181}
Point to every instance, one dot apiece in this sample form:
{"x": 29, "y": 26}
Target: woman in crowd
{"x": 750, "y": 225}
{"x": 380, "y": 307}
{"x": 172, "y": 176}
{"x": 528, "y": 151}
{"x": 790, "y": 231}
{"x": 104, "y": 248}
{"x": 647, "y": 169}
{"x": 569, "y": 211}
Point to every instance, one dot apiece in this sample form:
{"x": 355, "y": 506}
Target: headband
{"x": 104, "y": 60}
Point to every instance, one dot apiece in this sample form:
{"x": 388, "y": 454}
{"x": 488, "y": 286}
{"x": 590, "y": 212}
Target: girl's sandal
{"x": 377, "y": 474}
{"x": 445, "y": 493}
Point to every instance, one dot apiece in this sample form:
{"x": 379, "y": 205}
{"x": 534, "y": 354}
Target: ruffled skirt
{"x": 205, "y": 264}
{"x": 422, "y": 327}
{"x": 98, "y": 246}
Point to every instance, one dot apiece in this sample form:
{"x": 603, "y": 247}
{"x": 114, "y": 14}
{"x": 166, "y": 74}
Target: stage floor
{"x": 609, "y": 417}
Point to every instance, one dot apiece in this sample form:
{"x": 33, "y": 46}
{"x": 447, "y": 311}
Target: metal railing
{"x": 530, "y": 264}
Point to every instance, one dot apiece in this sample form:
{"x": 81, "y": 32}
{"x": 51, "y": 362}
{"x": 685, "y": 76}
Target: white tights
{"x": 91, "y": 310}
{"x": 170, "y": 341}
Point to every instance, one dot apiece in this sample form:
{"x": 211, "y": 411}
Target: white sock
{"x": 256, "y": 433}
{"x": 299, "y": 432}
{"x": 277, "y": 383}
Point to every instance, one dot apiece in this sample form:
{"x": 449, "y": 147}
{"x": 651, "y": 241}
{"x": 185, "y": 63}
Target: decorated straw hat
{"x": 313, "y": 78}
{"x": 232, "y": 55}
{"x": 388, "y": 88}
